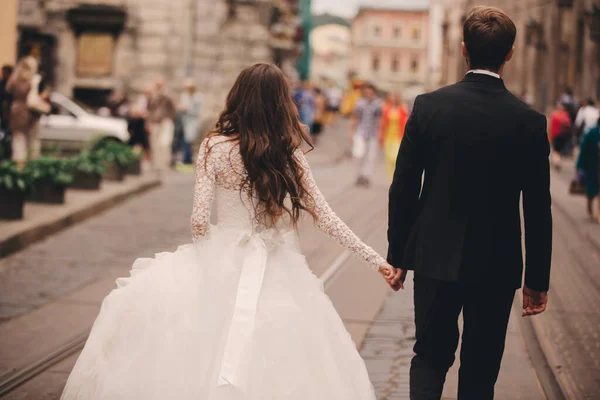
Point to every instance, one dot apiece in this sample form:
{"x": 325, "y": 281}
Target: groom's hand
{"x": 397, "y": 280}
{"x": 534, "y": 302}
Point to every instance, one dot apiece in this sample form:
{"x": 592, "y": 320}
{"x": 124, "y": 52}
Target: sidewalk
{"x": 42, "y": 220}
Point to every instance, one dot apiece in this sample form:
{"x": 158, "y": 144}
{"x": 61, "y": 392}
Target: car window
{"x": 58, "y": 109}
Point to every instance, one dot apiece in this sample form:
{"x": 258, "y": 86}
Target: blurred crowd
{"x": 162, "y": 126}
{"x": 377, "y": 119}
{"x": 23, "y": 99}
{"x": 573, "y": 130}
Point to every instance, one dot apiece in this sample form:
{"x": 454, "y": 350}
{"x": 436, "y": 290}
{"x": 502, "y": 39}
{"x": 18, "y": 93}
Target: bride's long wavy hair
{"x": 261, "y": 115}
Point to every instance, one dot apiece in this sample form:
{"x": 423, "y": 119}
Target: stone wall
{"x": 172, "y": 38}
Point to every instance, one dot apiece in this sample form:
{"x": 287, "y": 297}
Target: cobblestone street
{"x": 50, "y": 292}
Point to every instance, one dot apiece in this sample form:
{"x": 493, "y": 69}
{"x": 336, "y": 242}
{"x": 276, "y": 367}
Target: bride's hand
{"x": 393, "y": 276}
{"x": 387, "y": 271}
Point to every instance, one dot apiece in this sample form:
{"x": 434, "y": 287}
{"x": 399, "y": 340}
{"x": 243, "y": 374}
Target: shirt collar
{"x": 484, "y": 72}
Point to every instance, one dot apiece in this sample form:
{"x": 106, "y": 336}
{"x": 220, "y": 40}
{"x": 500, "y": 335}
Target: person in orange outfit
{"x": 351, "y": 96}
{"x": 394, "y": 118}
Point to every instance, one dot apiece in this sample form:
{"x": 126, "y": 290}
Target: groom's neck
{"x": 499, "y": 71}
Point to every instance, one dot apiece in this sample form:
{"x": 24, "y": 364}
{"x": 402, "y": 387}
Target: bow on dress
{"x": 244, "y": 313}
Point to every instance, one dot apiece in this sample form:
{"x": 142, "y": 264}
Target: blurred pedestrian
{"x": 190, "y": 105}
{"x": 351, "y": 96}
{"x": 118, "y": 104}
{"x": 560, "y": 133}
{"x": 306, "y": 102}
{"x": 28, "y": 104}
{"x": 570, "y": 104}
{"x": 161, "y": 112}
{"x": 586, "y": 117}
{"x": 589, "y": 164}
{"x": 320, "y": 113}
{"x": 365, "y": 133}
{"x": 334, "y": 99}
{"x": 5, "y": 103}
{"x": 138, "y": 112}
{"x": 393, "y": 122}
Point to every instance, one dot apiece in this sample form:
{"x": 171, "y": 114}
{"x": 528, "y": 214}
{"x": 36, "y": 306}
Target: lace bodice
{"x": 220, "y": 174}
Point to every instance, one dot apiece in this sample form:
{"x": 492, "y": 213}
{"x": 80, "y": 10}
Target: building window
{"x": 375, "y": 62}
{"x": 377, "y": 31}
{"x": 397, "y": 32}
{"x": 414, "y": 65}
{"x": 416, "y": 33}
{"x": 95, "y": 54}
{"x": 395, "y": 64}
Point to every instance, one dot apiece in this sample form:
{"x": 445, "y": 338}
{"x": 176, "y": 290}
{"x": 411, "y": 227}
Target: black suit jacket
{"x": 480, "y": 148}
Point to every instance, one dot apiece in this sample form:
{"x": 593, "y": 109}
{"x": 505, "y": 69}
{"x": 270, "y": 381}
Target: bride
{"x": 237, "y": 315}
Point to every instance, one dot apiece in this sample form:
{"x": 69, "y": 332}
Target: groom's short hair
{"x": 489, "y": 36}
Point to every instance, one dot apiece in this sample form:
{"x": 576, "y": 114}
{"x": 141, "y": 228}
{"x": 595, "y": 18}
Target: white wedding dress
{"x": 237, "y": 315}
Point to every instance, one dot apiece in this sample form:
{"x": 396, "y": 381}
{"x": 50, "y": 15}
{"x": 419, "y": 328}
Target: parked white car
{"x": 69, "y": 125}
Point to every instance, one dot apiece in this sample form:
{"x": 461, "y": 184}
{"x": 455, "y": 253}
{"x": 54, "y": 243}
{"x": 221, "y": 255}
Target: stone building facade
{"x": 557, "y": 47}
{"x": 330, "y": 46}
{"x": 389, "y": 47}
{"x": 89, "y": 48}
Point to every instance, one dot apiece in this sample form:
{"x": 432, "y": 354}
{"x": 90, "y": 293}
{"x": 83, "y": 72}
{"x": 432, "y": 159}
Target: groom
{"x": 459, "y": 228}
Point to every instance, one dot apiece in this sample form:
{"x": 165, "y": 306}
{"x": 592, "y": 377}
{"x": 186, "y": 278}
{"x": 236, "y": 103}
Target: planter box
{"x": 86, "y": 181}
{"x": 114, "y": 173}
{"x": 47, "y": 192}
{"x": 135, "y": 168}
{"x": 11, "y": 204}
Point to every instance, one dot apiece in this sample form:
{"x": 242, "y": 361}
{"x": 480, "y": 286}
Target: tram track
{"x": 15, "y": 379}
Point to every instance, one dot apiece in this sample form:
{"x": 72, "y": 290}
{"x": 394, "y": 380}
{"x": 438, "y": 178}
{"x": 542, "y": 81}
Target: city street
{"x": 103, "y": 104}
{"x": 51, "y": 291}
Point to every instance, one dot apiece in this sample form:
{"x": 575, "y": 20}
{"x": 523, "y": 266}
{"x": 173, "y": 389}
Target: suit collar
{"x": 485, "y": 79}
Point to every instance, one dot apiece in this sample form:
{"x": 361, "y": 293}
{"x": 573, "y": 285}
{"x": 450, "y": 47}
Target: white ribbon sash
{"x": 244, "y": 313}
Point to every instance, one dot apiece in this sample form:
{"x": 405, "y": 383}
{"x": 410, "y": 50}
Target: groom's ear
{"x": 465, "y": 52}
{"x": 510, "y": 54}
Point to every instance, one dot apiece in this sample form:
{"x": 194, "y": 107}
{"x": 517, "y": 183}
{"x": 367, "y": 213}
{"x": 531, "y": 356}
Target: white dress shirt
{"x": 484, "y": 72}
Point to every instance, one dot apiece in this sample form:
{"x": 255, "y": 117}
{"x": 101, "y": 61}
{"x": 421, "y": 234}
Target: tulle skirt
{"x": 237, "y": 316}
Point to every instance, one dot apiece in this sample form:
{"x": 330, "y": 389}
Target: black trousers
{"x": 486, "y": 312}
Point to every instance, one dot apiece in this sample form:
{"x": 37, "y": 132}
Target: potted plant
{"x": 15, "y": 185}
{"x": 117, "y": 157}
{"x": 51, "y": 177}
{"x": 135, "y": 168}
{"x": 88, "y": 168}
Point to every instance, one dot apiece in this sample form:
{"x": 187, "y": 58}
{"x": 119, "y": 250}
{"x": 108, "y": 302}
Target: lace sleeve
{"x": 328, "y": 222}
{"x": 204, "y": 192}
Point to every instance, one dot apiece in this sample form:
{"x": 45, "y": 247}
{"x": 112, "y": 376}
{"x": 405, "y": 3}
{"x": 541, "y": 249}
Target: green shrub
{"x": 56, "y": 170}
{"x": 15, "y": 179}
{"x": 89, "y": 162}
{"x": 117, "y": 153}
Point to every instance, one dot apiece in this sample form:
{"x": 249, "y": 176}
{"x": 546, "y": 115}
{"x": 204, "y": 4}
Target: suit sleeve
{"x": 405, "y": 189}
{"x": 537, "y": 211}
